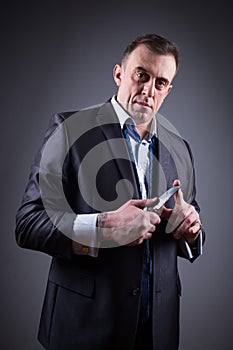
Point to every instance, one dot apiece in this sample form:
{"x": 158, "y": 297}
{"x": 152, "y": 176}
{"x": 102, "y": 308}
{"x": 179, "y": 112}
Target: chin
{"x": 142, "y": 117}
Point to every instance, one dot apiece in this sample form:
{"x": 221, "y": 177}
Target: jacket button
{"x": 135, "y": 291}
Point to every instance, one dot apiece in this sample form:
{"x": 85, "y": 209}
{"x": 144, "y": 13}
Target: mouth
{"x": 143, "y": 104}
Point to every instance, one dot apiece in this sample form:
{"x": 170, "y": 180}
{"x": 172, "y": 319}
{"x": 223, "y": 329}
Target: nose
{"x": 149, "y": 88}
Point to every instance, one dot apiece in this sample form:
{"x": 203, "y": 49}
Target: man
{"x": 113, "y": 282}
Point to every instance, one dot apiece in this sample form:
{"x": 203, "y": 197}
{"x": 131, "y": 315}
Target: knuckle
{"x": 186, "y": 213}
{"x": 189, "y": 221}
{"x": 183, "y": 215}
{"x": 192, "y": 209}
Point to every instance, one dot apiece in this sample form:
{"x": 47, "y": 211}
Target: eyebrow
{"x": 142, "y": 68}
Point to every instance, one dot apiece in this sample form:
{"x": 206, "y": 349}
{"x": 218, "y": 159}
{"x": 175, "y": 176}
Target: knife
{"x": 163, "y": 199}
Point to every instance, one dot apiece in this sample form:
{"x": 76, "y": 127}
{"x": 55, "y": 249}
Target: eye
{"x": 142, "y": 76}
{"x": 161, "y": 84}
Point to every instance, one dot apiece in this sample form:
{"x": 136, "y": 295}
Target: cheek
{"x": 134, "y": 89}
{"x": 158, "y": 101}
{"x": 130, "y": 90}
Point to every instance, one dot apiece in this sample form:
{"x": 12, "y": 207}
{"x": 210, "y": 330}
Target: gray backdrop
{"x": 59, "y": 56}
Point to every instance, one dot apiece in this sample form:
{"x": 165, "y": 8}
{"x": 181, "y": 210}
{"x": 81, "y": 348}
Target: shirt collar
{"x": 124, "y": 117}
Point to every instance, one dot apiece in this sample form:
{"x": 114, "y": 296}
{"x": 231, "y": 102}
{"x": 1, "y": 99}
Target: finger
{"x": 176, "y": 182}
{"x": 150, "y": 202}
{"x": 148, "y": 235}
{"x": 152, "y": 229}
{"x": 140, "y": 203}
{"x": 178, "y": 217}
{"x": 194, "y": 231}
{"x": 132, "y": 244}
{"x": 189, "y": 223}
{"x": 154, "y": 218}
{"x": 186, "y": 218}
{"x": 177, "y": 235}
{"x": 139, "y": 241}
{"x": 178, "y": 196}
{"x": 195, "y": 228}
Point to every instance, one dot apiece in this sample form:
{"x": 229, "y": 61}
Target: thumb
{"x": 176, "y": 182}
{"x": 150, "y": 202}
{"x": 140, "y": 203}
{"x": 179, "y": 198}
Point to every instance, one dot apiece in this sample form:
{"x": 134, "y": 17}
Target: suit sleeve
{"x": 184, "y": 250}
{"x": 42, "y": 222}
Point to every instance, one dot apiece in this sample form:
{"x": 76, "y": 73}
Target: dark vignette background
{"x": 59, "y": 55}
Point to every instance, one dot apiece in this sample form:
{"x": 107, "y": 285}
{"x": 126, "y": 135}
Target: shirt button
{"x": 135, "y": 291}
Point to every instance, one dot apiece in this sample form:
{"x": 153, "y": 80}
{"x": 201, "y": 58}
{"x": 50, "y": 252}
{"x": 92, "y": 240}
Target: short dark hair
{"x": 156, "y": 44}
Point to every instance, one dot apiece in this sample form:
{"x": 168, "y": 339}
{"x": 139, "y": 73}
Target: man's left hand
{"x": 183, "y": 219}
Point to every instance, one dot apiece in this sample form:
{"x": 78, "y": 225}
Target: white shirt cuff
{"x": 85, "y": 235}
{"x": 187, "y": 251}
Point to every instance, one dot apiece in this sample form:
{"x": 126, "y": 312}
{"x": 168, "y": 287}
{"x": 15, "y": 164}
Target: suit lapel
{"x": 164, "y": 168}
{"x": 117, "y": 146}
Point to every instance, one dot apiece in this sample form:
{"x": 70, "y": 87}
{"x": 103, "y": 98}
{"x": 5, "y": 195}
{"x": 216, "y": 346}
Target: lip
{"x": 143, "y": 104}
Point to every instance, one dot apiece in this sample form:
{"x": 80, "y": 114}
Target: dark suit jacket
{"x": 93, "y": 303}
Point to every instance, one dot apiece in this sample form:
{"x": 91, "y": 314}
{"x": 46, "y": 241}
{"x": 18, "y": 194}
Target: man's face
{"x": 143, "y": 81}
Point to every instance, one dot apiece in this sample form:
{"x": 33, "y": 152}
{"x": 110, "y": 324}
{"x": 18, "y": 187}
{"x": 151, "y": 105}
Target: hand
{"x": 183, "y": 219}
{"x": 130, "y": 224}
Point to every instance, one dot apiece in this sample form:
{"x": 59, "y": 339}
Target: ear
{"x": 117, "y": 72}
{"x": 169, "y": 89}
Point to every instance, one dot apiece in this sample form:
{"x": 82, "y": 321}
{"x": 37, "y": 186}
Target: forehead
{"x": 153, "y": 63}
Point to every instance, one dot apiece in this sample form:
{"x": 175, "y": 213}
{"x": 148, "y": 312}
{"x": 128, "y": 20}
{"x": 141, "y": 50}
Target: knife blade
{"x": 163, "y": 199}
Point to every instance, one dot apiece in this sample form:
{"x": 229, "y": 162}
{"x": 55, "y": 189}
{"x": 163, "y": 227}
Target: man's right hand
{"x": 130, "y": 224}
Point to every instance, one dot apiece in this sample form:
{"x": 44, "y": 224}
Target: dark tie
{"x": 129, "y": 130}
{"x": 145, "y": 305}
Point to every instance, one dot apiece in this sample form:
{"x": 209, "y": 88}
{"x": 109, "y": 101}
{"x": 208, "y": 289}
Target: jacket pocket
{"x": 71, "y": 276}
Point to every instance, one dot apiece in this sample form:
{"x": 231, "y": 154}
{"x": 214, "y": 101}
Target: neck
{"x": 143, "y": 130}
